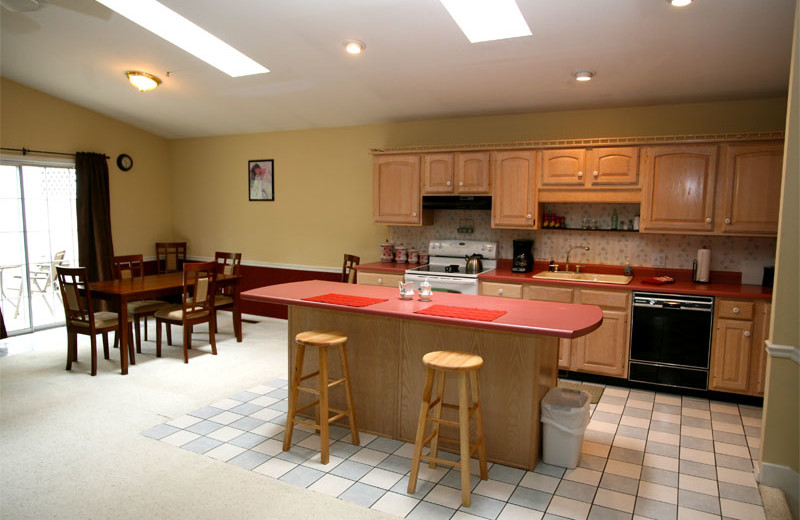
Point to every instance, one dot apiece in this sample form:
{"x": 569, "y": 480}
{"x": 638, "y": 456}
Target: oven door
{"x": 453, "y": 284}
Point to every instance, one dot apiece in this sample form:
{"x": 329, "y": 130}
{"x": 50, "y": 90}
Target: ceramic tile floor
{"x": 645, "y": 455}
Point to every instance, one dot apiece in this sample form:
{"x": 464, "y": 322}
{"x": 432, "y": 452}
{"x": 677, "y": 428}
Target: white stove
{"x": 446, "y": 270}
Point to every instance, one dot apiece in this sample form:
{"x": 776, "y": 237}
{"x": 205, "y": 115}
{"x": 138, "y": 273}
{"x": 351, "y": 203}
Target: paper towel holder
{"x": 696, "y": 276}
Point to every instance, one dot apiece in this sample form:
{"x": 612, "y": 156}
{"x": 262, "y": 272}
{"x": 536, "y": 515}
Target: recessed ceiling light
{"x": 680, "y": 3}
{"x": 179, "y": 31}
{"x": 483, "y": 21}
{"x": 584, "y": 75}
{"x": 142, "y": 80}
{"x": 354, "y": 46}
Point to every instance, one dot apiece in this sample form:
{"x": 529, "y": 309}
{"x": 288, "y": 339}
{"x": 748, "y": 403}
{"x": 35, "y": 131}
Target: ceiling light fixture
{"x": 354, "y": 46}
{"x": 584, "y": 75}
{"x": 182, "y": 33}
{"x": 142, "y": 80}
{"x": 680, "y": 3}
{"x": 483, "y": 21}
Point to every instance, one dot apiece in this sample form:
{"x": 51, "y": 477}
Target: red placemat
{"x": 346, "y": 299}
{"x": 461, "y": 312}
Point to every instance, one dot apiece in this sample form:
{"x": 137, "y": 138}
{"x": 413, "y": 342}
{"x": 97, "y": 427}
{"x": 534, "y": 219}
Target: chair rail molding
{"x": 784, "y": 351}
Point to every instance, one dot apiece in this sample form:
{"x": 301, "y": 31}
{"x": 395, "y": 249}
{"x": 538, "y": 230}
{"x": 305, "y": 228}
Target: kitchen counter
{"x": 387, "y": 341}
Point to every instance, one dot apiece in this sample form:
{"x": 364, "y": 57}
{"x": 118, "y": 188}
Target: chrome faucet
{"x": 584, "y": 247}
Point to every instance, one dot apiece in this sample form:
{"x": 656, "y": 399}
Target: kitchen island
{"x": 388, "y": 338}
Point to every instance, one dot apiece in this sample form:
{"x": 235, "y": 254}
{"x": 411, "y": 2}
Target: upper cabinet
{"x": 513, "y": 189}
{"x": 456, "y": 173}
{"x": 590, "y": 175}
{"x": 678, "y": 188}
{"x": 396, "y": 190}
{"x": 750, "y": 187}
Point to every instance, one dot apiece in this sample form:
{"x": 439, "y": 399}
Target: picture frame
{"x": 261, "y": 180}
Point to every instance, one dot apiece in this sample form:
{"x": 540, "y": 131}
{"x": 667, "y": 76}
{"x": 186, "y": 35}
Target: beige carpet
{"x": 71, "y": 444}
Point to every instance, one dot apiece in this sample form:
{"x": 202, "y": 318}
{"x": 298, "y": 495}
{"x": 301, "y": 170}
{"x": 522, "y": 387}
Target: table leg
{"x": 123, "y": 341}
{"x": 237, "y": 315}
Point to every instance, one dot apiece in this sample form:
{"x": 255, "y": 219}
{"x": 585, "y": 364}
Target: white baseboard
{"x": 784, "y": 478}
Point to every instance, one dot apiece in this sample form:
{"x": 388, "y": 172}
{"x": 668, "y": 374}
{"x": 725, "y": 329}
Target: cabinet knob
{"x": 414, "y": 214}
{"x": 580, "y": 175}
{"x": 528, "y": 216}
{"x": 380, "y": 281}
{"x": 596, "y": 174}
{"x": 448, "y": 183}
{"x": 736, "y": 310}
{"x": 461, "y": 183}
{"x": 708, "y": 220}
{"x": 747, "y": 334}
{"x": 727, "y": 220}
{"x": 499, "y": 291}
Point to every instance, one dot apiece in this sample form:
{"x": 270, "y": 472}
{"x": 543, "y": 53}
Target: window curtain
{"x": 95, "y": 246}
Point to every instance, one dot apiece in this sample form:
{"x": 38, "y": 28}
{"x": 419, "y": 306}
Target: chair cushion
{"x": 175, "y": 313}
{"x": 102, "y": 319}
{"x": 146, "y": 306}
{"x": 222, "y": 300}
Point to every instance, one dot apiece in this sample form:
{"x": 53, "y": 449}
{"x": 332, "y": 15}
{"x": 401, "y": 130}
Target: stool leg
{"x": 324, "y": 414}
{"x": 298, "y": 369}
{"x": 437, "y": 413}
{"x": 476, "y": 400}
{"x": 349, "y": 395}
{"x": 423, "y": 419}
{"x": 463, "y": 430}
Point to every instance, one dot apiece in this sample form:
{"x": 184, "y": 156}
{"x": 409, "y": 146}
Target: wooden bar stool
{"x": 442, "y": 362}
{"x": 322, "y": 339}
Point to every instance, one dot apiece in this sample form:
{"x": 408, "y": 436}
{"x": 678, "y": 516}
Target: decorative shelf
{"x": 589, "y": 229}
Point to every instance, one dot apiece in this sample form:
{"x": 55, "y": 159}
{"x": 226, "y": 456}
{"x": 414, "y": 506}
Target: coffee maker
{"x": 523, "y": 256}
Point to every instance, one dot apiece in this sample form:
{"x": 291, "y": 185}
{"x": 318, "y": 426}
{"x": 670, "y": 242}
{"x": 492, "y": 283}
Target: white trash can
{"x": 565, "y": 415}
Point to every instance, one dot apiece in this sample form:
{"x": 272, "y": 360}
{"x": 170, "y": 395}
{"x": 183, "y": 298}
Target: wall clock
{"x": 124, "y": 162}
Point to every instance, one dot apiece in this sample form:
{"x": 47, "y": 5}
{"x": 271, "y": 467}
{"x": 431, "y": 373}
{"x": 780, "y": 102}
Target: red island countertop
{"x": 561, "y": 320}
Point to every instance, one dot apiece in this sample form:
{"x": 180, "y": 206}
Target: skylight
{"x": 179, "y": 31}
{"x": 486, "y": 20}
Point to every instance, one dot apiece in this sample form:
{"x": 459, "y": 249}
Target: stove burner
{"x": 452, "y": 268}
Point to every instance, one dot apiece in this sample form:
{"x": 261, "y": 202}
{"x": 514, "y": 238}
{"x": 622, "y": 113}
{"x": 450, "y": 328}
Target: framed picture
{"x": 261, "y": 180}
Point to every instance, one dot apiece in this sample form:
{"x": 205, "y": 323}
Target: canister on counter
{"x": 401, "y": 254}
{"x": 413, "y": 256}
{"x": 387, "y": 251}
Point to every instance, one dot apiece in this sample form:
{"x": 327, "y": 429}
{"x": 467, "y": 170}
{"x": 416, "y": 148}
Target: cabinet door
{"x": 563, "y": 353}
{"x": 472, "y": 172}
{"x": 504, "y": 290}
{"x": 382, "y": 279}
{"x": 613, "y": 166}
{"x": 758, "y": 358}
{"x": 437, "y": 173}
{"x": 395, "y": 189}
{"x": 678, "y": 192}
{"x": 563, "y": 167}
{"x": 751, "y": 188}
{"x": 513, "y": 195}
{"x": 605, "y": 350}
{"x": 730, "y": 355}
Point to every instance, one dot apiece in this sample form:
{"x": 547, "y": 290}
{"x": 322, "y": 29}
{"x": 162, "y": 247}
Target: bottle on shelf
{"x": 614, "y": 220}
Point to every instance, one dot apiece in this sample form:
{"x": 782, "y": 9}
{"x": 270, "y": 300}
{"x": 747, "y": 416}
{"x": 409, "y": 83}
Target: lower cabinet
{"x": 505, "y": 290}
{"x": 738, "y": 357}
{"x": 383, "y": 279}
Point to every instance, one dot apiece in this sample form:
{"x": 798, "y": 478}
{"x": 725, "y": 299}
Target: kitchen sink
{"x": 620, "y": 279}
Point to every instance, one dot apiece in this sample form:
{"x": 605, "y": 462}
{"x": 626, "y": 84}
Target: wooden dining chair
{"x": 81, "y": 317}
{"x": 197, "y": 306}
{"x": 127, "y": 267}
{"x": 228, "y": 264}
{"x": 349, "y": 275}
{"x": 170, "y": 256}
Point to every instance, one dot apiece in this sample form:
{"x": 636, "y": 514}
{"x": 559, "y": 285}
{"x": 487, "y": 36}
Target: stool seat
{"x": 321, "y": 340}
{"x": 465, "y": 366}
{"x": 445, "y": 360}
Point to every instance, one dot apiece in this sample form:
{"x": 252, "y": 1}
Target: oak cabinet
{"x": 605, "y": 350}
{"x": 678, "y": 188}
{"x": 738, "y": 357}
{"x": 513, "y": 189}
{"x": 581, "y": 167}
{"x": 750, "y": 188}
{"x": 504, "y": 290}
{"x": 437, "y": 173}
{"x": 455, "y": 174}
{"x": 382, "y": 279}
{"x": 546, "y": 293}
{"x": 396, "y": 190}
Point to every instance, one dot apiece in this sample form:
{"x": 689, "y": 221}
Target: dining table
{"x": 120, "y": 292}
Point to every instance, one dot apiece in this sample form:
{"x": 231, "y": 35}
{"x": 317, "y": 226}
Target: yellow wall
{"x": 323, "y": 183}
{"x": 140, "y": 198}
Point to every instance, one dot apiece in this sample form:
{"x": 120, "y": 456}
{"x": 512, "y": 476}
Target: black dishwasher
{"x": 671, "y": 339}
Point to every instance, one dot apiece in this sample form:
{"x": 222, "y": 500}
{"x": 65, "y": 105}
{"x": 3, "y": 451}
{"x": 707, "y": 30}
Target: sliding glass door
{"x": 38, "y": 232}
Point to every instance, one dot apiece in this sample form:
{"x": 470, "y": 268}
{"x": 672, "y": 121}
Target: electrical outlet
{"x": 659, "y": 260}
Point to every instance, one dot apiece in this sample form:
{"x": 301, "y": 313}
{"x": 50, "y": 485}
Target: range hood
{"x": 457, "y": 202}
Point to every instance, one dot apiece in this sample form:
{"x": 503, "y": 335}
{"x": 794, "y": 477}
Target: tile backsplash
{"x": 742, "y": 254}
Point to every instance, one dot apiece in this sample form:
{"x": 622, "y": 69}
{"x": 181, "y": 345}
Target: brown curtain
{"x": 95, "y": 247}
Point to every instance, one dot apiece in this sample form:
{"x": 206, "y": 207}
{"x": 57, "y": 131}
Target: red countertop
{"x": 562, "y": 320}
{"x": 724, "y": 284}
